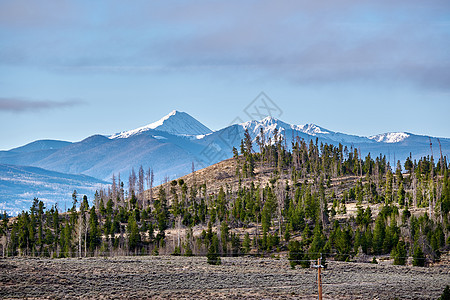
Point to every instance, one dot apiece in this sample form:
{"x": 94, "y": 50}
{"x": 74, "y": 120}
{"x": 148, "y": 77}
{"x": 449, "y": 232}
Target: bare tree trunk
{"x": 80, "y": 234}
{"x": 152, "y": 177}
{"x": 85, "y": 236}
{"x": 179, "y": 229}
{"x": 280, "y": 200}
{"x": 441, "y": 160}
{"x": 414, "y": 189}
{"x": 360, "y": 162}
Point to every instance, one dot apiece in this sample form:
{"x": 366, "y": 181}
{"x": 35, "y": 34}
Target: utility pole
{"x": 319, "y": 277}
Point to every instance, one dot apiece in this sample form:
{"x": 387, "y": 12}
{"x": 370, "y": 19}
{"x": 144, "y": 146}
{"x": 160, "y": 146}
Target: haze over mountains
{"x": 169, "y": 146}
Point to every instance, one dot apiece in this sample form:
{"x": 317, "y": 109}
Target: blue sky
{"x": 71, "y": 69}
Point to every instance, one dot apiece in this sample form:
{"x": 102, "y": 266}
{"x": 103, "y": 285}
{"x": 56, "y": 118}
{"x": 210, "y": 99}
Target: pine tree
{"x": 399, "y": 253}
{"x": 297, "y": 256}
{"x": 401, "y": 195}
{"x": 379, "y": 233}
{"x": 213, "y": 257}
{"x": 224, "y": 232}
{"x": 318, "y": 242}
{"x": 133, "y": 233}
{"x": 418, "y": 257}
{"x": 94, "y": 233}
{"x": 74, "y": 199}
{"x": 246, "y": 243}
{"x": 295, "y": 253}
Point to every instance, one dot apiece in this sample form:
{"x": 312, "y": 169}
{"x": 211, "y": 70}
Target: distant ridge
{"x": 42, "y": 145}
{"x": 176, "y": 142}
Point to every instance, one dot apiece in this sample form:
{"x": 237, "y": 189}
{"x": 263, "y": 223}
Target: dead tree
{"x": 141, "y": 183}
{"x": 432, "y": 200}
{"x": 80, "y": 232}
{"x": 114, "y": 189}
{"x": 280, "y": 192}
{"x": 131, "y": 182}
{"x": 150, "y": 178}
{"x": 441, "y": 160}
{"x": 360, "y": 162}
{"x": 120, "y": 196}
{"x": 414, "y": 182}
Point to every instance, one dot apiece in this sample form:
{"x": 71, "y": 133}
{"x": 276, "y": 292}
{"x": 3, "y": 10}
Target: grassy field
{"x": 169, "y": 277}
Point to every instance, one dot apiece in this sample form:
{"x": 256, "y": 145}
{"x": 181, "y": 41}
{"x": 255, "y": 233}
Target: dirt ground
{"x": 169, "y": 277}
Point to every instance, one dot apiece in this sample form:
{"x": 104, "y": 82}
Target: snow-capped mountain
{"x": 395, "y": 145}
{"x": 170, "y": 145}
{"x": 390, "y": 137}
{"x": 176, "y": 122}
{"x": 306, "y": 131}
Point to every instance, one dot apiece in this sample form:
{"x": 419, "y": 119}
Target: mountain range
{"x": 171, "y": 146}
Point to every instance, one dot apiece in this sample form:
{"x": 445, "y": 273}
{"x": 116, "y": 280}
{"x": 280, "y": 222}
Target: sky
{"x": 71, "y": 69}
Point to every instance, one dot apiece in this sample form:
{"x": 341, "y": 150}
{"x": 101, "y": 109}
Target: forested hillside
{"x": 314, "y": 199}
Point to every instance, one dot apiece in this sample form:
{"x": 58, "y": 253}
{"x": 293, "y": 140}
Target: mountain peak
{"x": 269, "y": 119}
{"x": 390, "y": 137}
{"x": 176, "y": 122}
{"x": 312, "y": 129}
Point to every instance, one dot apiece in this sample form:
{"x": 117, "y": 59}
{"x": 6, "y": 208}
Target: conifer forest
{"x": 293, "y": 199}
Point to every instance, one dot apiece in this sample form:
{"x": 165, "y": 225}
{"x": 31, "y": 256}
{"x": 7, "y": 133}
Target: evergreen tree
{"x": 296, "y": 255}
{"x": 246, "y": 243}
{"x": 401, "y": 195}
{"x": 213, "y": 257}
{"x": 399, "y": 253}
{"x": 379, "y": 233}
{"x": 318, "y": 242}
{"x": 94, "y": 233}
{"x": 224, "y": 232}
{"x": 133, "y": 233}
{"x": 418, "y": 257}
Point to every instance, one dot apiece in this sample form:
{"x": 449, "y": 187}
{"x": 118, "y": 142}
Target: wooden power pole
{"x": 319, "y": 276}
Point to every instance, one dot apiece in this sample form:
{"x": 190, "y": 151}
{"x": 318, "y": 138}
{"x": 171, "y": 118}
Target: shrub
{"x": 445, "y": 294}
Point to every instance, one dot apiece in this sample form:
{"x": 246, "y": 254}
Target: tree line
{"x": 400, "y": 212}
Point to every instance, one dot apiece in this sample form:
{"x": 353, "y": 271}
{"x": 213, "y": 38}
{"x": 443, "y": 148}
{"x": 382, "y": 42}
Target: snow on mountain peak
{"x": 176, "y": 122}
{"x": 268, "y": 124}
{"x": 391, "y": 137}
{"x": 269, "y": 119}
{"x": 311, "y": 129}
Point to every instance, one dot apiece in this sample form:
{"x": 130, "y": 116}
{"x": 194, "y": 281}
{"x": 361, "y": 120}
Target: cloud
{"x": 18, "y": 105}
{"x": 299, "y": 41}
{"x": 35, "y": 14}
{"x": 326, "y": 43}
